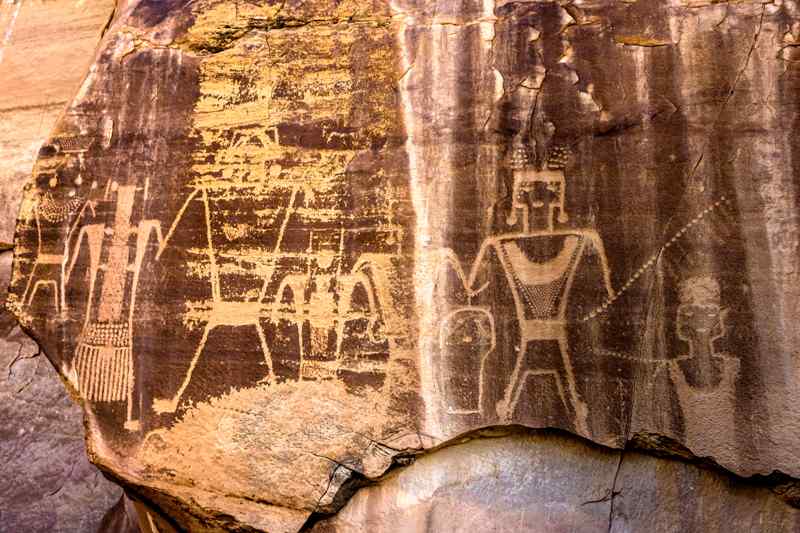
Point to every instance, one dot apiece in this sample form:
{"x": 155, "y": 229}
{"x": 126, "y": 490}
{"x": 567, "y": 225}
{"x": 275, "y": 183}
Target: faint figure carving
{"x": 466, "y": 338}
{"x": 254, "y": 134}
{"x": 705, "y": 379}
{"x": 324, "y": 304}
{"x": 60, "y": 206}
{"x": 49, "y": 210}
{"x": 367, "y": 282}
{"x": 701, "y": 322}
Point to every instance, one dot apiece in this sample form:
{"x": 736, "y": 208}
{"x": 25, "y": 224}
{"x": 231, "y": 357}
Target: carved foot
{"x": 267, "y": 380}
{"x": 161, "y": 406}
{"x": 504, "y": 411}
{"x": 132, "y": 425}
{"x": 582, "y": 419}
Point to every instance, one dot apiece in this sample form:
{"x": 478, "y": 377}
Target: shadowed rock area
{"x": 280, "y": 249}
{"x": 48, "y": 484}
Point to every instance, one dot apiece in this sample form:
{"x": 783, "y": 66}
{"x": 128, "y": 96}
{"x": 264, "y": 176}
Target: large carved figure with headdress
{"x": 538, "y": 267}
{"x": 521, "y": 304}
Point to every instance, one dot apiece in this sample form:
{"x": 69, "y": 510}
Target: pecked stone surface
{"x": 186, "y": 186}
{"x": 279, "y": 247}
{"x": 606, "y": 221}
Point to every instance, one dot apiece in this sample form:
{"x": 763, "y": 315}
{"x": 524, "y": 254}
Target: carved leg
{"x": 299, "y": 326}
{"x": 26, "y": 301}
{"x": 524, "y": 378}
{"x": 45, "y": 283}
{"x": 581, "y": 412}
{"x": 265, "y": 349}
{"x": 130, "y": 423}
{"x": 345, "y": 286}
{"x": 340, "y": 324}
{"x": 170, "y": 406}
{"x": 505, "y": 408}
{"x": 58, "y": 297}
{"x": 62, "y": 290}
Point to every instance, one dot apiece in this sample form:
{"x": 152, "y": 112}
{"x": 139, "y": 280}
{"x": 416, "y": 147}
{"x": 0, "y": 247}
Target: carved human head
{"x": 700, "y": 313}
{"x": 540, "y": 194}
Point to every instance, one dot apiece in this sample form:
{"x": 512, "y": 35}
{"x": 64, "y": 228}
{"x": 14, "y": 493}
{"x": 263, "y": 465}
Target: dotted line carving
{"x": 652, "y": 260}
{"x": 620, "y": 355}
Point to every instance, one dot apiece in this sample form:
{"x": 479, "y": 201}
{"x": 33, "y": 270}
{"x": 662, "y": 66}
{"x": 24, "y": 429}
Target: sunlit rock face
{"x": 280, "y": 247}
{"x": 45, "y": 50}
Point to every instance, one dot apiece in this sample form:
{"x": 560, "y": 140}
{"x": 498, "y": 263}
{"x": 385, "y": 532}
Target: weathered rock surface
{"x": 45, "y": 50}
{"x": 280, "y": 247}
{"x": 47, "y": 483}
{"x": 546, "y": 482}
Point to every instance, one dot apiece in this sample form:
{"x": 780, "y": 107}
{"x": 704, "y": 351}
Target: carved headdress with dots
{"x": 519, "y": 156}
{"x": 557, "y": 158}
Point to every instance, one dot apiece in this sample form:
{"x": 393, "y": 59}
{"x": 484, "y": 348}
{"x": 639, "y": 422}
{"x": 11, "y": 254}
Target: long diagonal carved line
{"x": 654, "y": 258}
{"x": 163, "y": 244}
{"x": 289, "y": 211}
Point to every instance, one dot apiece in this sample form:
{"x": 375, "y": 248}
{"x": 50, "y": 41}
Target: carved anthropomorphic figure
{"x": 226, "y": 311}
{"x": 103, "y": 362}
{"x": 59, "y": 206}
{"x": 324, "y": 302}
{"x": 704, "y": 379}
{"x": 316, "y": 301}
{"x": 467, "y": 337}
{"x": 537, "y": 266}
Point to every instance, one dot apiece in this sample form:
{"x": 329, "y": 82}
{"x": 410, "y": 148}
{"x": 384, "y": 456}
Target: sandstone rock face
{"x": 45, "y": 51}
{"x": 280, "y": 247}
{"x": 551, "y": 483}
{"x": 48, "y": 483}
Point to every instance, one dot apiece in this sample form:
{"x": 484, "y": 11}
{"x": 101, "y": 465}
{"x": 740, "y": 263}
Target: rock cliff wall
{"x": 281, "y": 249}
{"x": 48, "y": 483}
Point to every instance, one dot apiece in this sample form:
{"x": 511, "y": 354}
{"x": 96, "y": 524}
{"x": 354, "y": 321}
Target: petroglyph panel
{"x": 278, "y": 247}
{"x": 208, "y": 235}
{"x": 581, "y": 265}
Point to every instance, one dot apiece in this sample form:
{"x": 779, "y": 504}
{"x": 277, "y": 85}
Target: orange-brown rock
{"x": 279, "y": 248}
